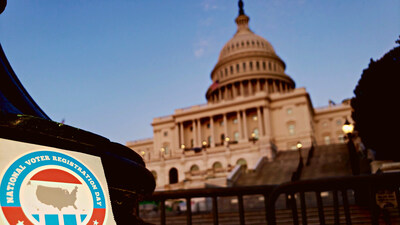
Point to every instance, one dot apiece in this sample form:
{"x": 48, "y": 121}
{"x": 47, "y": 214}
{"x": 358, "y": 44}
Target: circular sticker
{"x": 47, "y": 188}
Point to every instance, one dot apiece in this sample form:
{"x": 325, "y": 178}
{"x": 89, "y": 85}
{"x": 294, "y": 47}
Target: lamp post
{"x": 348, "y": 129}
{"x": 299, "y": 146}
{"x": 253, "y": 138}
{"x": 204, "y": 145}
{"x": 227, "y": 139}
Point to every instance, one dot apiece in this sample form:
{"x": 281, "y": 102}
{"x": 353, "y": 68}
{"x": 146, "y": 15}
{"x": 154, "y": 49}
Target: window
{"x": 222, "y": 138}
{"x": 236, "y": 136}
{"x": 291, "y": 128}
{"x": 327, "y": 140}
{"x": 191, "y": 143}
{"x": 237, "y": 68}
{"x": 289, "y": 111}
{"x": 173, "y": 176}
{"x": 165, "y": 133}
{"x": 341, "y": 138}
{"x": 221, "y": 123}
{"x": 241, "y": 162}
{"x": 231, "y": 67}
{"x": 264, "y": 66}
{"x": 258, "y": 65}
{"x": 208, "y": 125}
{"x": 194, "y": 168}
{"x": 217, "y": 166}
{"x": 339, "y": 122}
{"x": 251, "y": 65}
{"x": 244, "y": 66}
{"x": 255, "y": 134}
{"x": 209, "y": 140}
{"x": 165, "y": 148}
{"x": 235, "y": 121}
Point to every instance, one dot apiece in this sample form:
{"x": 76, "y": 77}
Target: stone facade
{"x": 253, "y": 110}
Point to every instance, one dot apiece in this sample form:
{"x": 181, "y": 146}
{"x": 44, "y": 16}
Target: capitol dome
{"x": 247, "y": 64}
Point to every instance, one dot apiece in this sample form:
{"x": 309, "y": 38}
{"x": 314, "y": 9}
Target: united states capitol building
{"x": 253, "y": 112}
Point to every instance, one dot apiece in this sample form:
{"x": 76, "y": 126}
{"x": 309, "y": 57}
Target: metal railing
{"x": 365, "y": 190}
{"x": 213, "y": 193}
{"x": 369, "y": 191}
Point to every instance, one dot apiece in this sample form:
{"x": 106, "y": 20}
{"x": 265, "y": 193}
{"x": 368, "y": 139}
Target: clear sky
{"x": 110, "y": 67}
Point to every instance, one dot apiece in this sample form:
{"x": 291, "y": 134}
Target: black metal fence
{"x": 377, "y": 194}
{"x": 321, "y": 201}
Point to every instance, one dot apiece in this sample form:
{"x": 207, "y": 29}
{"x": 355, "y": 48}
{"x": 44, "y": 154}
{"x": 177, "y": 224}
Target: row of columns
{"x": 264, "y": 127}
{"x": 233, "y": 90}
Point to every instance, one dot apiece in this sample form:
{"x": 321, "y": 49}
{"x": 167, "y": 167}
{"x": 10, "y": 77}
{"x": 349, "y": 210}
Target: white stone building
{"x": 253, "y": 110}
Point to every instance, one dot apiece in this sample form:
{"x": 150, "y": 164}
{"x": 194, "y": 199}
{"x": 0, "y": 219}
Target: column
{"x": 258, "y": 85}
{"x": 260, "y": 123}
{"x": 267, "y": 122}
{"x": 194, "y": 130}
{"x": 266, "y": 86}
{"x": 274, "y": 87}
{"x": 176, "y": 144}
{"x": 199, "y": 140}
{"x": 241, "y": 89}
{"x": 239, "y": 118}
{"x": 234, "y": 91}
{"x": 250, "y": 87}
{"x": 246, "y": 137}
{"x": 182, "y": 142}
{"x": 212, "y": 131}
{"x": 280, "y": 86}
{"x": 225, "y": 126}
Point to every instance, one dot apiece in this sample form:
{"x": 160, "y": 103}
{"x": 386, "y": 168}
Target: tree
{"x": 376, "y": 106}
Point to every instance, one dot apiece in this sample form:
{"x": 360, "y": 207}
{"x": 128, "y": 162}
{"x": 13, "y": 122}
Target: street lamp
{"x": 347, "y": 128}
{"x": 227, "y": 139}
{"x": 354, "y": 161}
{"x": 204, "y": 144}
{"x": 299, "y": 145}
{"x": 253, "y": 138}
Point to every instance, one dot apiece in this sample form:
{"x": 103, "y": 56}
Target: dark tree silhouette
{"x": 376, "y": 106}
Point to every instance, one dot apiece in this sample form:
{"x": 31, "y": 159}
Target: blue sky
{"x": 110, "y": 67}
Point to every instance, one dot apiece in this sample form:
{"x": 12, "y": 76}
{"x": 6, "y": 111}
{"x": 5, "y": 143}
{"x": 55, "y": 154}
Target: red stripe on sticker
{"x": 55, "y": 175}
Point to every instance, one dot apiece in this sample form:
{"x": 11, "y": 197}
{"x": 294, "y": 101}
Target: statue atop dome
{"x": 241, "y": 10}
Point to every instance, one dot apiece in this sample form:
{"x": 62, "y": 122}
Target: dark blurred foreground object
{"x": 3, "y": 4}
{"x": 21, "y": 119}
{"x": 375, "y": 105}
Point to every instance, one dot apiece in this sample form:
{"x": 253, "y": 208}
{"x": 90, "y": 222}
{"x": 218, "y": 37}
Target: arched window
{"x": 241, "y": 162}
{"x": 173, "y": 175}
{"x": 194, "y": 168}
{"x": 217, "y": 166}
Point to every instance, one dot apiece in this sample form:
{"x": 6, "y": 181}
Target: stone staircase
{"x": 272, "y": 172}
{"x": 327, "y": 161}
